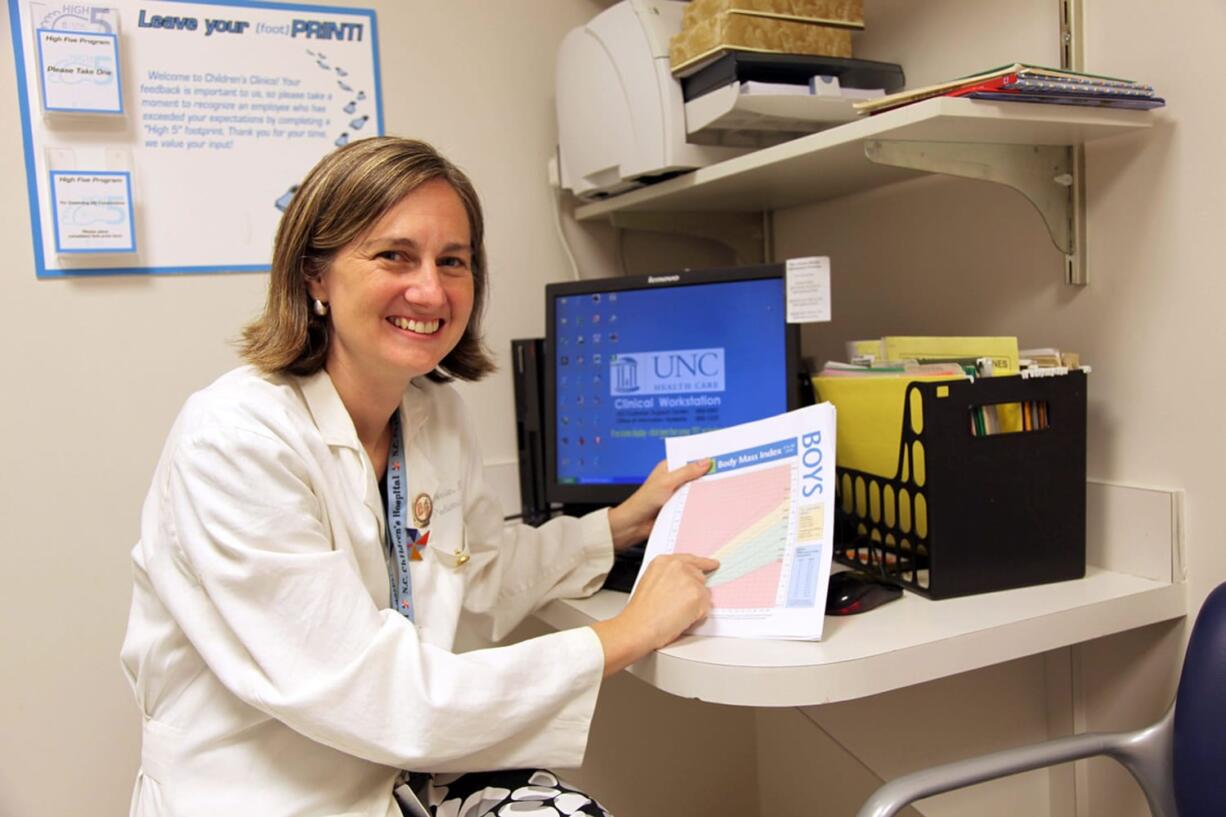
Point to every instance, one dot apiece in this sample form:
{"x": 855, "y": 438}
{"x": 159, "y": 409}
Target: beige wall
{"x": 96, "y": 370}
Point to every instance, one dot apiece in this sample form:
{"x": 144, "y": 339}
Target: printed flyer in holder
{"x": 766, "y": 512}
{"x": 92, "y": 211}
{"x": 79, "y": 71}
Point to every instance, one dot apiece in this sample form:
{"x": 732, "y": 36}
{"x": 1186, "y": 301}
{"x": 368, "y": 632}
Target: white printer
{"x": 621, "y": 117}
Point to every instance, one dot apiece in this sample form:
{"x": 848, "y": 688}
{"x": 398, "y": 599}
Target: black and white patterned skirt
{"x": 511, "y": 793}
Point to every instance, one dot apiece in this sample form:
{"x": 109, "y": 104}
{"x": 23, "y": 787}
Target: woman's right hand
{"x": 671, "y": 596}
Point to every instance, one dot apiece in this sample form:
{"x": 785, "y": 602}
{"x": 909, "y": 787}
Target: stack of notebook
{"x": 1030, "y": 83}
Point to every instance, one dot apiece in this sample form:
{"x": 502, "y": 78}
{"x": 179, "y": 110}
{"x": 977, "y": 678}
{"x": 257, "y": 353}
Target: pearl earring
{"x": 321, "y": 308}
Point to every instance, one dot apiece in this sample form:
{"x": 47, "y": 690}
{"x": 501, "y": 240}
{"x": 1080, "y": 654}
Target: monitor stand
{"x": 625, "y": 570}
{"x": 579, "y": 508}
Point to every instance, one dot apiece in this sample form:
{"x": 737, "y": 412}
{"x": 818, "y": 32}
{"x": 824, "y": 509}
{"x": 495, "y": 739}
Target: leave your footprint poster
{"x": 192, "y": 127}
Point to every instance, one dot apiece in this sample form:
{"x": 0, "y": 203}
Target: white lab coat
{"x": 271, "y": 673}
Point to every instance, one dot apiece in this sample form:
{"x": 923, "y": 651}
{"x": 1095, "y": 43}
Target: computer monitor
{"x": 632, "y": 360}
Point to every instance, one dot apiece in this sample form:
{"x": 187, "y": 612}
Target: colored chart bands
{"x": 741, "y": 520}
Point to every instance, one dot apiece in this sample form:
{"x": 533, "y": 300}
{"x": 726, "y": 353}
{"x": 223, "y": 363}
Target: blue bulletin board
{"x": 168, "y": 136}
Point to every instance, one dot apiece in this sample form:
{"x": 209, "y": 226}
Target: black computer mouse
{"x": 852, "y": 591}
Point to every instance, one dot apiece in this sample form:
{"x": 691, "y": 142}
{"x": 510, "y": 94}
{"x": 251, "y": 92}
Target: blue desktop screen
{"x": 635, "y": 366}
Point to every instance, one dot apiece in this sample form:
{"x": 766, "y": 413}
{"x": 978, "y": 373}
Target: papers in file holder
{"x": 955, "y": 512}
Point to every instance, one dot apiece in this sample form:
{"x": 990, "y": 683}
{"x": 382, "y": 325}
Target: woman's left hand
{"x": 631, "y": 521}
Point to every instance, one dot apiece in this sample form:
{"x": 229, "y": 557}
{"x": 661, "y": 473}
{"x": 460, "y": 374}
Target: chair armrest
{"x": 902, "y": 791}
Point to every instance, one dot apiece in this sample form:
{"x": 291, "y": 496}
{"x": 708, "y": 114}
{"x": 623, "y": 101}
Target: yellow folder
{"x": 1002, "y": 350}
{"x": 870, "y": 411}
{"x": 893, "y": 349}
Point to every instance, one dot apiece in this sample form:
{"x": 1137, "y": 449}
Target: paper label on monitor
{"x": 808, "y": 289}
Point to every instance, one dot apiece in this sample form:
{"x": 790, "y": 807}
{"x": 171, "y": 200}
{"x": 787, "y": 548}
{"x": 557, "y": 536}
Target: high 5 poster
{"x": 168, "y": 136}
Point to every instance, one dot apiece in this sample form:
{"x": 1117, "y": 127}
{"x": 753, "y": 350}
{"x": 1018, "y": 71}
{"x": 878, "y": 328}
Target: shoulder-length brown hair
{"x": 341, "y": 198}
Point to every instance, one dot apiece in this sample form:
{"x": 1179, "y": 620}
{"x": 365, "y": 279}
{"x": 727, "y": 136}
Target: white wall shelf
{"x": 1027, "y": 146}
{"x": 901, "y": 644}
{"x": 1134, "y": 544}
{"x": 832, "y": 163}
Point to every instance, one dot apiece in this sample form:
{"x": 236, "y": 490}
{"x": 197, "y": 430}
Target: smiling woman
{"x": 373, "y": 177}
{"x": 318, "y": 526}
{"x": 400, "y": 295}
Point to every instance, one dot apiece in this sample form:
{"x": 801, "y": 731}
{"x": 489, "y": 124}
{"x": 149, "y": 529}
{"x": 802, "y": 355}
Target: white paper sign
{"x": 808, "y": 289}
{"x": 79, "y": 71}
{"x": 93, "y": 212}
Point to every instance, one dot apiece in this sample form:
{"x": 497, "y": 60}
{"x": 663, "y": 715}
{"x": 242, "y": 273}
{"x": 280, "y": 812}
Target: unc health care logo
{"x": 670, "y": 371}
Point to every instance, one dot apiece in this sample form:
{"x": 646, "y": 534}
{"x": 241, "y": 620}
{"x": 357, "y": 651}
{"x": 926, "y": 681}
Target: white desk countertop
{"x": 905, "y": 642}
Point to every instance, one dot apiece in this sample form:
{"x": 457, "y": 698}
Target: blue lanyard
{"x": 400, "y": 537}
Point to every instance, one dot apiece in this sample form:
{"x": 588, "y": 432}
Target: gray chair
{"x": 1179, "y": 761}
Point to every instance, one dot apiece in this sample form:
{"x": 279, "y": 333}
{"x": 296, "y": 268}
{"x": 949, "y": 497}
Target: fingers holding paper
{"x": 631, "y": 521}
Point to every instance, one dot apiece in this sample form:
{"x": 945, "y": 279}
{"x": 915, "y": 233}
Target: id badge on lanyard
{"x": 403, "y": 542}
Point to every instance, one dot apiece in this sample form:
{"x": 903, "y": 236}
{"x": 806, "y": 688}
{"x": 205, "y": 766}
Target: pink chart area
{"x": 718, "y": 511}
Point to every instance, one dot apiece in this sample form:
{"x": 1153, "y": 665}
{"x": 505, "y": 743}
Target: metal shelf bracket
{"x": 1072, "y": 57}
{"x": 1045, "y": 174}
